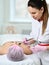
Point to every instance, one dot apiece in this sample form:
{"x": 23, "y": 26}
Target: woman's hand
{"x": 25, "y": 41}
{"x": 28, "y": 42}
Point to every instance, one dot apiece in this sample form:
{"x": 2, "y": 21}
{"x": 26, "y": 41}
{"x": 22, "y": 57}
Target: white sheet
{"x": 26, "y": 61}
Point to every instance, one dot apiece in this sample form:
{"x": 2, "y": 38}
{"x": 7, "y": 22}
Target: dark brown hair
{"x": 38, "y": 4}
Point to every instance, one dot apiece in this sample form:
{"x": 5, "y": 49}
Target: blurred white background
{"x": 47, "y": 1}
{"x": 21, "y": 26}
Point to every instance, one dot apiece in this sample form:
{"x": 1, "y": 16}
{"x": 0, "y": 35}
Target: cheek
{"x": 38, "y": 16}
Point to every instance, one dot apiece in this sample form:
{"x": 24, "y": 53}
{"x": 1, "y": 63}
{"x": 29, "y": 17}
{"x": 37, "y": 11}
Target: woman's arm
{"x": 30, "y": 41}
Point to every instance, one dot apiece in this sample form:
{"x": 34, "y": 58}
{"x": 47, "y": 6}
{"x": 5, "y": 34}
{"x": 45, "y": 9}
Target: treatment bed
{"x": 28, "y": 60}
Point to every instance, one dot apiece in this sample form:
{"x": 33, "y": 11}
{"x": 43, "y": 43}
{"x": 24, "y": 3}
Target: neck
{"x": 41, "y": 19}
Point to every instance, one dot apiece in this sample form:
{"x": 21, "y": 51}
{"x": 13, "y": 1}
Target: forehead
{"x": 32, "y": 9}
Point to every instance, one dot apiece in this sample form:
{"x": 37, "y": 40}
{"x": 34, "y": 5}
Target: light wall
{"x": 22, "y": 27}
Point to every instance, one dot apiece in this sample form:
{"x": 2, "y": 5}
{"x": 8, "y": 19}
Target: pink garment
{"x": 38, "y": 48}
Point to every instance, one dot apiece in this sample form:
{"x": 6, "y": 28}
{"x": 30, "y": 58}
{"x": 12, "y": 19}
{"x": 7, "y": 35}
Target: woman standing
{"x": 40, "y": 28}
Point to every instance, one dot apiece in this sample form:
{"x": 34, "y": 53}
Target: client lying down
{"x": 4, "y": 48}
{"x": 15, "y": 50}
{"x": 26, "y": 48}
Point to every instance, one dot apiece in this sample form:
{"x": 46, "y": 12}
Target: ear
{"x": 42, "y": 9}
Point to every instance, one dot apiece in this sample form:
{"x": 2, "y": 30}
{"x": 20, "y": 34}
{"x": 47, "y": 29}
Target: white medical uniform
{"x": 36, "y": 34}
